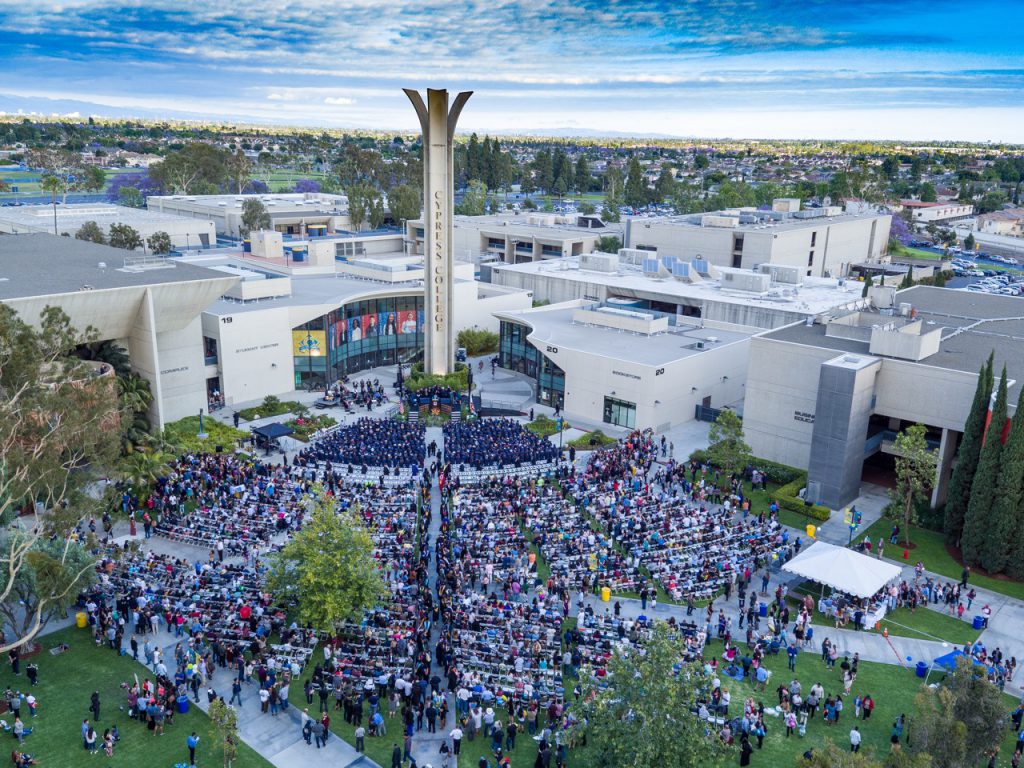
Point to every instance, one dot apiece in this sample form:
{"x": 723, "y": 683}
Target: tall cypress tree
{"x": 978, "y": 523}
{"x": 959, "y": 495}
{"x": 1008, "y": 515}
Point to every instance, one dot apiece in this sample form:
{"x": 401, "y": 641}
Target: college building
{"x": 830, "y": 395}
{"x": 821, "y": 242}
{"x": 641, "y": 341}
{"x": 67, "y": 219}
{"x": 150, "y": 306}
{"x": 519, "y": 238}
{"x": 293, "y": 213}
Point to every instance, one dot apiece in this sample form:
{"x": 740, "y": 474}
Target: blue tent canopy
{"x": 949, "y": 660}
{"x": 272, "y": 431}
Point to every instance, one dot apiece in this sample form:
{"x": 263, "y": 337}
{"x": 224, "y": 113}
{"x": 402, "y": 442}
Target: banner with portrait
{"x": 407, "y": 321}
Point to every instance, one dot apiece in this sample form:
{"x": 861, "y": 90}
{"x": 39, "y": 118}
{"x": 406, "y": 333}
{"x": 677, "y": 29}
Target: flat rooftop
{"x": 543, "y": 225}
{"x": 281, "y": 203}
{"x": 814, "y": 296}
{"x": 765, "y": 220}
{"x": 974, "y": 324}
{"x": 38, "y": 264}
{"x": 39, "y": 218}
{"x": 555, "y": 326}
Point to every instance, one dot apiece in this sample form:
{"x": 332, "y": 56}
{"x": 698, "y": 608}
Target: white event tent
{"x": 843, "y": 569}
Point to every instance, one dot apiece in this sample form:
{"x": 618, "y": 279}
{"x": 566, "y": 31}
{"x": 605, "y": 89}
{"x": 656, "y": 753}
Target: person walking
{"x": 94, "y": 705}
{"x": 360, "y": 739}
{"x": 855, "y": 739}
{"x": 396, "y": 757}
{"x": 192, "y": 742}
{"x": 236, "y": 692}
{"x": 745, "y": 750}
{"x": 456, "y": 737}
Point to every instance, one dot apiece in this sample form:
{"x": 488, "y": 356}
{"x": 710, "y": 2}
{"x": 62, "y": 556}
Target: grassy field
{"x": 283, "y": 180}
{"x": 930, "y": 549}
{"x": 65, "y": 684}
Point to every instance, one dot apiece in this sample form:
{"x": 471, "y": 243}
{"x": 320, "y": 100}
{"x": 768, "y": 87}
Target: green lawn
{"x": 926, "y": 624}
{"x": 930, "y": 549}
{"x": 923, "y": 624}
{"x": 65, "y": 683}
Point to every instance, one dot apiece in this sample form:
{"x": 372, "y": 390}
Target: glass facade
{"x": 517, "y": 354}
{"x": 363, "y": 334}
{"x": 619, "y": 412}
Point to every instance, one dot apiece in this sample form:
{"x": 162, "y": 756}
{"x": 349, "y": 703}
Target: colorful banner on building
{"x": 309, "y": 343}
{"x": 407, "y": 321}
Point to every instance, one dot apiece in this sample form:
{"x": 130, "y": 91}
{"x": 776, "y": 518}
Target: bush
{"x": 478, "y": 341}
{"x": 272, "y": 406}
{"x": 418, "y": 380}
{"x": 544, "y": 426}
{"x": 591, "y": 440}
{"x": 787, "y": 498}
{"x": 305, "y": 426}
{"x": 779, "y": 474}
{"x": 182, "y": 435}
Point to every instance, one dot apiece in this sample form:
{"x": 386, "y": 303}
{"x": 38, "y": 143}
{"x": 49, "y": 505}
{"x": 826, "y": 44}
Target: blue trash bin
{"x": 762, "y": 609}
{"x": 183, "y": 705}
{"x": 922, "y": 669}
{"x": 979, "y": 622}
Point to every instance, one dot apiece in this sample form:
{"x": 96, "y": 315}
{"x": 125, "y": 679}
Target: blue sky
{"x": 713, "y": 68}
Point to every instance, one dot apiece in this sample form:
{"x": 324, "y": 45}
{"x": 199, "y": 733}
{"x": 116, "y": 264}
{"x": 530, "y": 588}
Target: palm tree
{"x": 143, "y": 468}
{"x": 109, "y": 352}
{"x": 53, "y": 185}
{"x": 135, "y": 393}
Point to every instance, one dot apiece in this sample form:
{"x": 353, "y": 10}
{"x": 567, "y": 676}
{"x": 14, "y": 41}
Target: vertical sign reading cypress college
{"x": 438, "y": 124}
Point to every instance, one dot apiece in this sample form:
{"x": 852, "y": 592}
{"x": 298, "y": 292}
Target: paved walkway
{"x": 425, "y": 745}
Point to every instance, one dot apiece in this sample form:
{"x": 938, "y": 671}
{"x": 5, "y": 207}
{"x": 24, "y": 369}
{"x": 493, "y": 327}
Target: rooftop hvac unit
{"x": 904, "y": 309}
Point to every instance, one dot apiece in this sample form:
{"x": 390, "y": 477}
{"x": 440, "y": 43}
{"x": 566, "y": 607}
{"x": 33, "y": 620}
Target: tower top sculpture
{"x": 437, "y": 122}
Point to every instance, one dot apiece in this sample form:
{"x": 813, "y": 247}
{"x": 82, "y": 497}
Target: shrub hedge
{"x": 791, "y": 481}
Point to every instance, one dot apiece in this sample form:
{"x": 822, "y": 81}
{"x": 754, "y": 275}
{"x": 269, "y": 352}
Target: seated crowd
{"x": 371, "y": 442}
{"x": 495, "y": 443}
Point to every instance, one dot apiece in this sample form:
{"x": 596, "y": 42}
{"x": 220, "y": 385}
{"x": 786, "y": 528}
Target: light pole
{"x": 559, "y": 423}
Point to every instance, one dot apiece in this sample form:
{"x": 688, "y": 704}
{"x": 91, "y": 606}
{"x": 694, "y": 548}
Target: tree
{"x": 91, "y": 232}
{"x": 868, "y": 282}
{"x": 640, "y": 715}
{"x": 55, "y": 572}
{"x": 142, "y": 468}
{"x": 959, "y": 494}
{"x": 969, "y": 242}
{"x": 587, "y": 208}
{"x": 636, "y": 185}
{"x": 358, "y": 205}
{"x": 159, "y": 242}
{"x": 928, "y": 194}
{"x": 1002, "y": 547}
{"x": 56, "y": 438}
{"x": 665, "y": 184}
{"x": 404, "y": 202}
{"x": 701, "y": 161}
{"x": 193, "y": 168}
{"x": 915, "y": 472}
{"x": 727, "y": 450}
{"x": 376, "y": 212}
{"x": 608, "y": 244}
{"x": 474, "y": 200}
{"x": 478, "y": 341}
{"x": 960, "y": 721}
{"x": 225, "y": 724}
{"x": 908, "y": 278}
{"x": 983, "y": 490}
{"x": 307, "y": 186}
{"x": 239, "y": 170}
{"x": 255, "y": 216}
{"x": 581, "y": 177}
{"x": 125, "y": 236}
{"x": 327, "y": 571}
{"x": 832, "y": 756}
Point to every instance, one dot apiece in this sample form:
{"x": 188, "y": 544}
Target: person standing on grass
{"x": 94, "y": 705}
{"x": 192, "y": 742}
{"x": 855, "y": 739}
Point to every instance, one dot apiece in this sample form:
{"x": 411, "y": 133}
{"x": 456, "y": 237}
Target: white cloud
{"x": 339, "y": 101}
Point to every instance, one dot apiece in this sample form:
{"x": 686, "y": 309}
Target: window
{"x": 810, "y": 259}
{"x": 814, "y": 239}
{"x": 737, "y": 260}
{"x": 209, "y": 351}
{"x": 619, "y": 412}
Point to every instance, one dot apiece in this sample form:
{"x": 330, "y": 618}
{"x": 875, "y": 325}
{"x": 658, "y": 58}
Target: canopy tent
{"x": 948, "y": 662}
{"x": 843, "y": 569}
{"x": 272, "y": 431}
